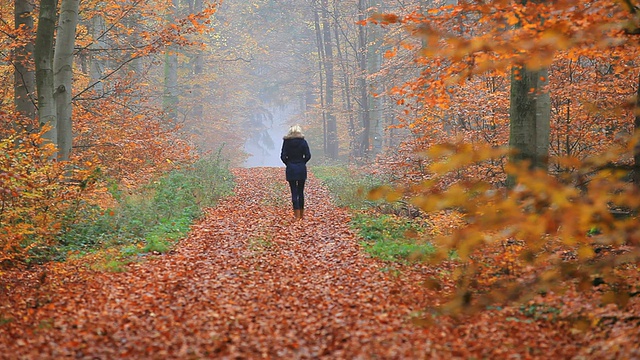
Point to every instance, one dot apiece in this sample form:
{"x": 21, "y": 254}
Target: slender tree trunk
{"x": 170, "y": 98}
{"x": 346, "y": 89}
{"x": 63, "y": 76}
{"x": 97, "y": 59}
{"x": 134, "y": 21}
{"x": 332, "y": 126}
{"x": 43, "y": 54}
{"x": 362, "y": 81}
{"x": 321, "y": 61}
{"x": 198, "y": 69}
{"x": 374, "y": 64}
{"x": 636, "y": 150}
{"x": 24, "y": 75}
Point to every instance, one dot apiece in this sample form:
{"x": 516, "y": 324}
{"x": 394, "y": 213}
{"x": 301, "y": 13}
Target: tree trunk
{"x": 43, "y": 54}
{"x": 636, "y": 150}
{"x": 170, "y": 98}
{"x": 321, "y": 62}
{"x": 24, "y": 76}
{"x": 198, "y": 69}
{"x": 63, "y": 76}
{"x": 98, "y": 49}
{"x": 346, "y": 89}
{"x": 530, "y": 111}
{"x": 374, "y": 64}
{"x": 362, "y": 81}
{"x": 332, "y": 126}
{"x": 529, "y": 116}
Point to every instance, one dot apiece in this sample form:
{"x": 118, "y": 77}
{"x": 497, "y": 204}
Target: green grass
{"x": 348, "y": 187}
{"x": 5, "y": 320}
{"x": 260, "y": 243}
{"x": 391, "y": 238}
{"x": 387, "y": 237}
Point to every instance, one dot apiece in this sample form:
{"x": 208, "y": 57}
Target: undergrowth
{"x": 391, "y": 238}
{"x": 150, "y": 219}
{"x": 348, "y": 187}
{"x": 384, "y": 236}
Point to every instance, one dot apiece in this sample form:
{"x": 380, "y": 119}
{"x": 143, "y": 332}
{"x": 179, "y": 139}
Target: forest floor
{"x": 250, "y": 282}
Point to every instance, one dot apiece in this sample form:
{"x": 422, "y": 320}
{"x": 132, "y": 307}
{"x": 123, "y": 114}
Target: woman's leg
{"x": 301, "y": 196}
{"x": 294, "y": 195}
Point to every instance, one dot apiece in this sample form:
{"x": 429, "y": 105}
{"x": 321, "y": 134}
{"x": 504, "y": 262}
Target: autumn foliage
{"x": 573, "y": 225}
{"x": 121, "y": 135}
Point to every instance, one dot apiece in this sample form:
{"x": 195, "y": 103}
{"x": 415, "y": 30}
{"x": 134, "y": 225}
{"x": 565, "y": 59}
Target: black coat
{"x": 295, "y": 154}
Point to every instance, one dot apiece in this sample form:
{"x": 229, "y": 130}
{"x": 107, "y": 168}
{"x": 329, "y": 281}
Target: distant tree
{"x": 24, "y": 75}
{"x": 170, "y": 97}
{"x": 332, "y": 127}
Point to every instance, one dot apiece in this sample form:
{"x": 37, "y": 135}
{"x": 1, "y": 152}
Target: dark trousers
{"x": 297, "y": 194}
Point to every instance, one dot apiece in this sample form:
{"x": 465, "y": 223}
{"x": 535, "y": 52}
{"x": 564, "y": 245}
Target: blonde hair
{"x": 294, "y": 131}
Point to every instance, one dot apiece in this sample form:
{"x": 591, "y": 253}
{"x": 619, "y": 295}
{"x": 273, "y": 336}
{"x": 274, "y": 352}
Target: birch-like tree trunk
{"x": 374, "y": 64}
{"x": 321, "y": 62}
{"x": 43, "y": 54}
{"x": 362, "y": 80}
{"x": 24, "y": 76}
{"x": 170, "y": 98}
{"x": 198, "y": 69}
{"x": 332, "y": 126}
{"x": 98, "y": 49}
{"x": 346, "y": 88}
{"x": 63, "y": 75}
{"x": 636, "y": 150}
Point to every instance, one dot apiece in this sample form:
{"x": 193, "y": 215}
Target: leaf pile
{"x": 250, "y": 282}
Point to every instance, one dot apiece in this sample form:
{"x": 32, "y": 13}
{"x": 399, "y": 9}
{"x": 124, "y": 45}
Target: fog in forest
{"x": 263, "y": 146}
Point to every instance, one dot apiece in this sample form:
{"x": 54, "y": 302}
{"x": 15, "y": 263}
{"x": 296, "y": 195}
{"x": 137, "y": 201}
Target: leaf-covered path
{"x": 249, "y": 282}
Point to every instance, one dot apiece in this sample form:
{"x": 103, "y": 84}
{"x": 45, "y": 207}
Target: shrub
{"x": 35, "y": 196}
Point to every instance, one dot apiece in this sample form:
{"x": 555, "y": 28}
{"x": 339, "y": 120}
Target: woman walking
{"x": 295, "y": 155}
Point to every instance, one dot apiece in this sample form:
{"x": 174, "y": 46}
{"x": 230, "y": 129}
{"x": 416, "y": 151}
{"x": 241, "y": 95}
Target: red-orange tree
{"x": 591, "y": 51}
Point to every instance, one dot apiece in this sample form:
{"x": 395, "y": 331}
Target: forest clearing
{"x": 250, "y": 282}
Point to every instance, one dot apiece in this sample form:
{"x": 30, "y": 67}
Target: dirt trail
{"x": 248, "y": 282}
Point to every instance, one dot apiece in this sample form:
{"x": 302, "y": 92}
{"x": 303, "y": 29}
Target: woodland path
{"x": 249, "y": 282}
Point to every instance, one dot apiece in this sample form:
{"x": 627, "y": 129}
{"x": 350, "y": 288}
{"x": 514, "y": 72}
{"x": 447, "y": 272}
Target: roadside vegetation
{"x": 390, "y": 231}
{"x": 148, "y": 219}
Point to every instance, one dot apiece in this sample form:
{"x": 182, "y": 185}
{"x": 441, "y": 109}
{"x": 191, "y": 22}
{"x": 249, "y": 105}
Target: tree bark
{"x": 170, "y": 98}
{"x": 346, "y": 88}
{"x": 362, "y": 80}
{"x": 321, "y": 62}
{"x": 24, "y": 75}
{"x": 43, "y": 54}
{"x": 63, "y": 75}
{"x": 332, "y": 126}
{"x": 198, "y": 69}
{"x": 98, "y": 49}
{"x": 636, "y": 150}
{"x": 529, "y": 114}
{"x": 374, "y": 64}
